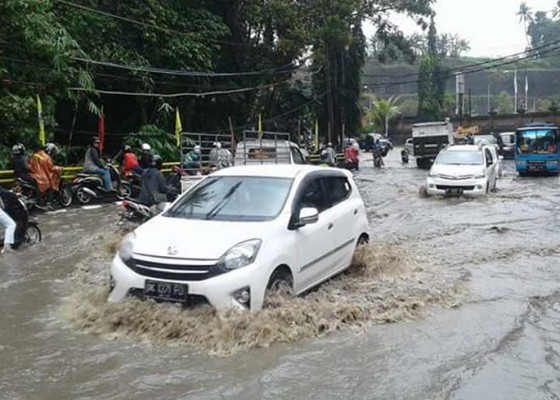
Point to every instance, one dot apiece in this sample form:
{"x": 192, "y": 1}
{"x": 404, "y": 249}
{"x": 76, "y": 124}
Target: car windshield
{"x": 459, "y": 158}
{"x": 537, "y": 141}
{"x": 234, "y": 198}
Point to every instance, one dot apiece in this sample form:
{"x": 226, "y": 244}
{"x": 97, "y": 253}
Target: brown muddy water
{"x": 456, "y": 299}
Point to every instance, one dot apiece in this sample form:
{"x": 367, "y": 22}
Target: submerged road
{"x": 503, "y": 342}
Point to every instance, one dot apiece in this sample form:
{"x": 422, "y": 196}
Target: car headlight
{"x": 240, "y": 255}
{"x": 433, "y": 175}
{"x": 480, "y": 176}
{"x": 127, "y": 246}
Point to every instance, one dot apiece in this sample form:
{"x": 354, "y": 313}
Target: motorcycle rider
{"x": 146, "y": 156}
{"x": 220, "y": 157}
{"x": 94, "y": 166}
{"x": 378, "y": 153}
{"x": 20, "y": 163}
{"x": 46, "y": 174}
{"x": 130, "y": 162}
{"x": 154, "y": 189}
{"x": 192, "y": 161}
{"x": 331, "y": 154}
{"x": 351, "y": 157}
{"x": 404, "y": 156}
{"x": 9, "y": 227}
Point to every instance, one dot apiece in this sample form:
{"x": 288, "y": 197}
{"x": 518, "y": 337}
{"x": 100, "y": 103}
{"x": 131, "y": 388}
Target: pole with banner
{"x": 101, "y": 130}
{"x": 178, "y": 127}
{"x": 40, "y": 120}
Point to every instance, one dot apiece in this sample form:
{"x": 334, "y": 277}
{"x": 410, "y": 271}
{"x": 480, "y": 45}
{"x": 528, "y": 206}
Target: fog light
{"x": 243, "y": 296}
{"x": 478, "y": 187}
{"x": 431, "y": 186}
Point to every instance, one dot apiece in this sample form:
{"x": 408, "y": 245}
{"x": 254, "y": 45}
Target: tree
{"x": 525, "y": 16}
{"x": 505, "y": 105}
{"x": 431, "y": 81}
{"x": 383, "y": 111}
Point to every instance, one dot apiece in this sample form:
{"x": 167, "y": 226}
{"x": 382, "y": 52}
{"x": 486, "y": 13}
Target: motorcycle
{"x": 377, "y": 159}
{"x": 29, "y": 191}
{"x": 27, "y": 230}
{"x": 404, "y": 156}
{"x": 134, "y": 182}
{"x": 89, "y": 186}
{"x": 138, "y": 213}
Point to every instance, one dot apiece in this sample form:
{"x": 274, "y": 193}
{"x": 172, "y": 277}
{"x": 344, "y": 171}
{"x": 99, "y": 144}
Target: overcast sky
{"x": 491, "y": 26}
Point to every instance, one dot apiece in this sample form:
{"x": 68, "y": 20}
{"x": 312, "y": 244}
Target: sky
{"x": 491, "y": 26}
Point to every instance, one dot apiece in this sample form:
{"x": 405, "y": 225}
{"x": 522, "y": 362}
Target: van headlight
{"x": 240, "y": 255}
{"x": 127, "y": 246}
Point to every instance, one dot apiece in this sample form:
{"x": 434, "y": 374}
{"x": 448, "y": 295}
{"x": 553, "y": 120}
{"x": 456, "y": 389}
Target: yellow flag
{"x": 41, "y": 122}
{"x": 260, "y": 127}
{"x": 316, "y": 135}
{"x": 178, "y": 127}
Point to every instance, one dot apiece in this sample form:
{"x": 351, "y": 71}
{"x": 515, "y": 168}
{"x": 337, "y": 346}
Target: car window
{"x": 337, "y": 189}
{"x": 298, "y": 157}
{"x": 313, "y": 196}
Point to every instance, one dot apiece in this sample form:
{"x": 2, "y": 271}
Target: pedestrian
{"x": 93, "y": 164}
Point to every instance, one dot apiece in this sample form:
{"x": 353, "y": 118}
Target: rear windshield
{"x": 262, "y": 153}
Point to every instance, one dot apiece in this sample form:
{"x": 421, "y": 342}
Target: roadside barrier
{"x": 7, "y": 176}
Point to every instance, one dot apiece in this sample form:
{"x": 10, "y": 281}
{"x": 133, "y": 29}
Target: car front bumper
{"x": 219, "y": 291}
{"x": 469, "y": 187}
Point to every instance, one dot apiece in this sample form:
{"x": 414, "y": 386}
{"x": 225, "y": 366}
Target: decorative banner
{"x": 101, "y": 130}
{"x": 41, "y": 122}
{"x": 178, "y": 127}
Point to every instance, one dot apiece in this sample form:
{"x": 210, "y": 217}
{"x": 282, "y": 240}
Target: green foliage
{"x": 505, "y": 104}
{"x": 161, "y": 142}
{"x": 383, "y": 111}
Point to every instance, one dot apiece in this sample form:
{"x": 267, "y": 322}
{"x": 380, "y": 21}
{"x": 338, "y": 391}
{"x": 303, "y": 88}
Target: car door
{"x": 313, "y": 243}
{"x": 342, "y": 210}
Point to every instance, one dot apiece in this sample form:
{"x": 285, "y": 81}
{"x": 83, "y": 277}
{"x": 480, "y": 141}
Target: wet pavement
{"x": 503, "y": 342}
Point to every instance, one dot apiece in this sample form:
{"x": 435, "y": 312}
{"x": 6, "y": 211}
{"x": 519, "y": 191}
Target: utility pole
{"x": 329, "y": 95}
{"x": 470, "y": 108}
{"x": 460, "y": 92}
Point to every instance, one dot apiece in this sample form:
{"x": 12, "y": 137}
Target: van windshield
{"x": 234, "y": 198}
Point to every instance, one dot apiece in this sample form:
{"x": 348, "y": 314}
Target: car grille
{"x": 174, "y": 272}
{"x": 456, "y": 177}
{"x": 447, "y": 187}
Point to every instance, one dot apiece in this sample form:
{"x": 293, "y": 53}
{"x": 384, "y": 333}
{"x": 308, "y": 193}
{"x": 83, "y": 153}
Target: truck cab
{"x": 429, "y": 139}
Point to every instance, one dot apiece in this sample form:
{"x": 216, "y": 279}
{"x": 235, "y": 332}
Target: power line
{"x": 279, "y": 70}
{"x": 132, "y": 21}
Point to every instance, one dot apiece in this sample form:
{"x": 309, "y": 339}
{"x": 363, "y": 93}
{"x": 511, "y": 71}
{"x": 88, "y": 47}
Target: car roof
{"x": 272, "y": 171}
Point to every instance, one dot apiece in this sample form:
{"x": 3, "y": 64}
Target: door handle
{"x": 355, "y": 212}
{"x": 330, "y": 226}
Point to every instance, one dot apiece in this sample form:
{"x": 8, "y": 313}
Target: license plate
{"x": 536, "y": 167}
{"x": 166, "y": 291}
{"x": 454, "y": 191}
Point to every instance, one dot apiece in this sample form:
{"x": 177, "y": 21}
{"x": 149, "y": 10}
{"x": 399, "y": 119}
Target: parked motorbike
{"x": 377, "y": 159}
{"x": 87, "y": 187}
{"x": 27, "y": 230}
{"x": 31, "y": 195}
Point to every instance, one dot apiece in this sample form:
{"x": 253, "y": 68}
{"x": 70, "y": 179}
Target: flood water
{"x": 500, "y": 340}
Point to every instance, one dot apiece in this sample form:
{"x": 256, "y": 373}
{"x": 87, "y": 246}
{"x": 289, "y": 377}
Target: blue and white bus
{"x": 537, "y": 149}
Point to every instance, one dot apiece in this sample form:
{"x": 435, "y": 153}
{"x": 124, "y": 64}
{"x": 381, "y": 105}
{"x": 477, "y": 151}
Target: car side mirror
{"x": 500, "y": 158}
{"x": 307, "y": 216}
{"x": 165, "y": 206}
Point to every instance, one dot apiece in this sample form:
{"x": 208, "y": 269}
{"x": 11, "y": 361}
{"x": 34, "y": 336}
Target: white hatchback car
{"x": 464, "y": 169}
{"x": 241, "y": 231}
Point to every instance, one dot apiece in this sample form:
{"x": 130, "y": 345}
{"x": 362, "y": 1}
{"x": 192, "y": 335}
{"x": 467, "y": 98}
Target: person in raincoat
{"x": 192, "y": 162}
{"x": 43, "y": 170}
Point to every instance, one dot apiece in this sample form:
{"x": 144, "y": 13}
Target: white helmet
{"x": 51, "y": 149}
{"x": 146, "y": 147}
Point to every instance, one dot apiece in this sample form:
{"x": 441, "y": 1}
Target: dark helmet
{"x": 51, "y": 149}
{"x": 18, "y": 149}
{"x": 156, "y": 161}
{"x": 324, "y": 155}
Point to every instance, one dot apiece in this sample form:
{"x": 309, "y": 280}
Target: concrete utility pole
{"x": 460, "y": 92}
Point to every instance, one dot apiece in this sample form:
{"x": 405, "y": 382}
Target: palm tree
{"x": 383, "y": 111}
{"x": 556, "y": 11}
{"x": 525, "y": 16}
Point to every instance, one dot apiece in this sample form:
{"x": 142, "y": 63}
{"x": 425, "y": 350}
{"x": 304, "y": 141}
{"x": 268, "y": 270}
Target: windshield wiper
{"x": 218, "y": 207}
